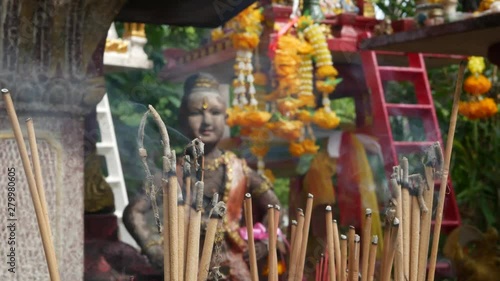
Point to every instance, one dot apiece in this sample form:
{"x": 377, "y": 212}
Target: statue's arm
{"x": 262, "y": 193}
{"x": 135, "y": 220}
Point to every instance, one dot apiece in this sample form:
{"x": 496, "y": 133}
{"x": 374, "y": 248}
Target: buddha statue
{"x": 202, "y": 115}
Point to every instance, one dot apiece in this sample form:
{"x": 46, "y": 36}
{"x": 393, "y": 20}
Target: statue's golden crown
{"x": 204, "y": 84}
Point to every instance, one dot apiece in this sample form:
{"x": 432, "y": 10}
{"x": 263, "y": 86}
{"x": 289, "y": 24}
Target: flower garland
{"x": 302, "y": 63}
{"x": 477, "y": 85}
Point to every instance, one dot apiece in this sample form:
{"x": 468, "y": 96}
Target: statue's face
{"x": 206, "y": 117}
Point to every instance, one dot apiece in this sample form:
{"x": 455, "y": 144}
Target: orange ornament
{"x": 477, "y": 84}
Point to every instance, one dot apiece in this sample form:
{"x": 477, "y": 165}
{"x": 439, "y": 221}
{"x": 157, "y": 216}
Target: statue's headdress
{"x": 200, "y": 82}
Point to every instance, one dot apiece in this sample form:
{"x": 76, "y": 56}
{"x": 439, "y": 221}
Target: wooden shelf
{"x": 479, "y": 36}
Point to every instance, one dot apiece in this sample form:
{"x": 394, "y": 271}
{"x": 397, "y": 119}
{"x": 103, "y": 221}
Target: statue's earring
{"x": 205, "y": 103}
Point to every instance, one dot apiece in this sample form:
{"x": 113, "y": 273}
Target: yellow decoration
{"x": 308, "y": 100}
{"x": 476, "y": 65}
{"x": 259, "y": 150}
{"x": 233, "y": 116}
{"x": 324, "y": 87}
{"x": 254, "y": 118}
{"x": 310, "y": 146}
{"x": 477, "y": 84}
{"x": 289, "y": 130}
{"x": 326, "y": 71}
{"x": 326, "y": 119}
{"x": 296, "y": 149}
{"x": 288, "y": 105}
{"x": 217, "y": 34}
{"x": 304, "y": 116}
{"x": 478, "y": 109}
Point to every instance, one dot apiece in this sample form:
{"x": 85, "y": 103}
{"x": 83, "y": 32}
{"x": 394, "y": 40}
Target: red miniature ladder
{"x": 423, "y": 109}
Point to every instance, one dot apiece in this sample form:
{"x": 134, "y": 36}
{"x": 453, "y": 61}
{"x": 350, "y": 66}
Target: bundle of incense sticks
{"x": 35, "y": 182}
{"x": 181, "y": 224}
{"x": 406, "y": 235}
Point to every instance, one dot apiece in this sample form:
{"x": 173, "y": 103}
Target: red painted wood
{"x": 416, "y": 73}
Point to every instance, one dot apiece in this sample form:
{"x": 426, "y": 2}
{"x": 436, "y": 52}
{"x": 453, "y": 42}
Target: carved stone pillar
{"x": 50, "y": 63}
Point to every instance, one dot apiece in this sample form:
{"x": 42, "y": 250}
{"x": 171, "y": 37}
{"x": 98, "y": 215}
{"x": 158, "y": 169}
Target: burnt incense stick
{"x": 218, "y": 211}
{"x": 336, "y": 245}
{"x": 43, "y": 225}
{"x": 330, "y": 243}
{"x": 193, "y": 249}
{"x": 170, "y": 186}
{"x": 355, "y": 267}
{"x": 343, "y": 252}
{"x": 251, "y": 243}
{"x": 398, "y": 262}
{"x": 149, "y": 186}
{"x": 406, "y": 218}
{"x": 415, "y": 238}
{"x": 387, "y": 245}
{"x": 392, "y": 249}
{"x": 444, "y": 173}
{"x": 350, "y": 238}
{"x": 373, "y": 258}
{"x": 186, "y": 169}
{"x": 366, "y": 244}
{"x": 181, "y": 228}
{"x": 305, "y": 236}
{"x": 433, "y": 162}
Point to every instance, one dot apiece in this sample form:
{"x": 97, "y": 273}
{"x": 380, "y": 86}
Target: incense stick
{"x": 170, "y": 191}
{"x": 188, "y": 200}
{"x": 398, "y": 263}
{"x": 366, "y": 244}
{"x": 355, "y": 267}
{"x": 277, "y": 210}
{"x": 38, "y": 171}
{"x": 293, "y": 234}
{"x": 251, "y": 243}
{"x": 294, "y": 258}
{"x": 42, "y": 223}
{"x": 387, "y": 245}
{"x": 429, "y": 169}
{"x": 273, "y": 267}
{"x": 343, "y": 251}
{"x": 444, "y": 173}
{"x": 305, "y": 236}
{"x": 350, "y": 238}
{"x": 208, "y": 245}
{"x": 330, "y": 243}
{"x": 193, "y": 249}
{"x": 336, "y": 244}
{"x": 415, "y": 238}
{"x": 181, "y": 228}
{"x": 406, "y": 218}
{"x": 373, "y": 257}
{"x": 392, "y": 251}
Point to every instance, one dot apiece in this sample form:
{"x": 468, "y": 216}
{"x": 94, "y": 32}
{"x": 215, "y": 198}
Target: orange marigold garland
{"x": 477, "y": 85}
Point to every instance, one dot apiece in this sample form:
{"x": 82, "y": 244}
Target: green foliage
{"x": 397, "y": 9}
{"x": 282, "y": 190}
{"x": 131, "y": 92}
{"x": 476, "y": 150}
{"x": 476, "y": 170}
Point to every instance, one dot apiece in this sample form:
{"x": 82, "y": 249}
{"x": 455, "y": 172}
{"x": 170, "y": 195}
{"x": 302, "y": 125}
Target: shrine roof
{"x": 198, "y": 13}
{"x": 471, "y": 37}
